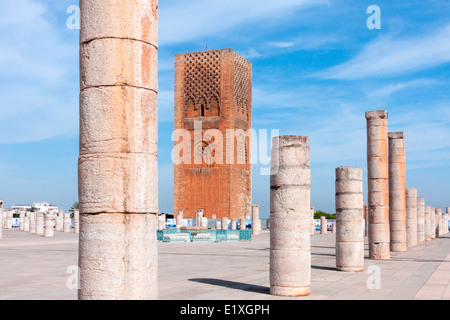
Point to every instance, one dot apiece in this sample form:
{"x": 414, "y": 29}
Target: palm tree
{"x": 74, "y": 206}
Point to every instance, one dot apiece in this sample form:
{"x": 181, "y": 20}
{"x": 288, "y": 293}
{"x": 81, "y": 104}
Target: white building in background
{"x": 43, "y": 207}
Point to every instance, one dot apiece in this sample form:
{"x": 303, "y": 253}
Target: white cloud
{"x": 183, "y": 21}
{"x": 394, "y": 88}
{"x": 39, "y": 72}
{"x": 282, "y": 44}
{"x": 388, "y": 56}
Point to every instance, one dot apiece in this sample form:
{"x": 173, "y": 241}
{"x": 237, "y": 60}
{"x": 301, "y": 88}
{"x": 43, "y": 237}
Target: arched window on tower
{"x": 202, "y": 110}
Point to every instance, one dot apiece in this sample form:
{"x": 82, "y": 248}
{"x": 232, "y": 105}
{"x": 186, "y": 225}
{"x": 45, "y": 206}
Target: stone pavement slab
{"x": 35, "y": 267}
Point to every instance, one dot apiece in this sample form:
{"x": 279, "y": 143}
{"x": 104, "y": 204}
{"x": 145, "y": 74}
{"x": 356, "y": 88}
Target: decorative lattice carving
{"x": 241, "y": 89}
{"x": 202, "y": 77}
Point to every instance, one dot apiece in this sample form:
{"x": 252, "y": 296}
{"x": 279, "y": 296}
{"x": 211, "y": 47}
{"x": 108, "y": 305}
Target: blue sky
{"x": 316, "y": 69}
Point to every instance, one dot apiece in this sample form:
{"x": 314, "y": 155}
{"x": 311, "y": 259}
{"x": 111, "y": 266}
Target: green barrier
{"x": 175, "y": 235}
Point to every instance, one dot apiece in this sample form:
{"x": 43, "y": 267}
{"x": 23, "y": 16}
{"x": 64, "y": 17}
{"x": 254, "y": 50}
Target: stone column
{"x": 290, "y": 217}
{"x": 21, "y": 220}
{"x": 180, "y": 219}
{"x": 420, "y": 220}
{"x": 76, "y": 221}
{"x": 205, "y": 222}
{"x": 162, "y": 222}
{"x": 33, "y": 223}
{"x": 224, "y": 223}
{"x": 447, "y": 214}
{"x": 411, "y": 217}
{"x": 40, "y": 224}
{"x": 59, "y": 222}
{"x": 438, "y": 223}
{"x": 49, "y": 225}
{"x": 198, "y": 218}
{"x": 233, "y": 224}
{"x": 366, "y": 220}
{"x": 26, "y": 224}
{"x": 397, "y": 191}
{"x": 214, "y": 217}
{"x": 9, "y": 218}
{"x": 433, "y": 222}
{"x": 323, "y": 225}
{"x": 243, "y": 224}
{"x": 218, "y": 225}
{"x": 117, "y": 167}
{"x": 428, "y": 223}
{"x": 66, "y": 222}
{"x": 313, "y": 222}
{"x": 1, "y": 219}
{"x": 349, "y": 219}
{"x": 378, "y": 184}
{"x": 256, "y": 222}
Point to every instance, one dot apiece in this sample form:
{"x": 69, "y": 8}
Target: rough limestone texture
{"x": 378, "y": 184}
{"x": 40, "y": 224}
{"x": 438, "y": 223}
{"x": 290, "y": 217}
{"x": 26, "y": 224}
{"x": 256, "y": 222}
{"x": 117, "y": 166}
{"x": 49, "y": 225}
{"x": 242, "y": 224}
{"x": 127, "y": 236}
{"x": 421, "y": 220}
{"x": 179, "y": 220}
{"x": 76, "y": 221}
{"x": 428, "y": 223}
{"x": 349, "y": 219}
{"x": 411, "y": 217}
{"x": 313, "y": 222}
{"x": 397, "y": 191}
{"x": 21, "y": 220}
{"x": 224, "y": 223}
{"x": 66, "y": 227}
{"x": 218, "y": 225}
{"x": 323, "y": 225}
{"x": 1, "y": 218}
{"x": 433, "y": 222}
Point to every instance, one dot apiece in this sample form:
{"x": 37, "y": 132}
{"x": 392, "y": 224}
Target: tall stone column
{"x": 233, "y": 224}
{"x": 438, "y": 223}
{"x": 447, "y": 214}
{"x": 66, "y": 222}
{"x": 40, "y": 224}
{"x": 76, "y": 221}
{"x": 366, "y": 220}
{"x": 378, "y": 184}
{"x": 1, "y": 219}
{"x": 162, "y": 222}
{"x": 420, "y": 220}
{"x": 411, "y": 217}
{"x": 49, "y": 225}
{"x": 59, "y": 222}
{"x": 180, "y": 219}
{"x": 323, "y": 225}
{"x": 349, "y": 219}
{"x": 243, "y": 224}
{"x": 313, "y": 222}
{"x": 290, "y": 217}
{"x": 433, "y": 222}
{"x": 9, "y": 218}
{"x": 33, "y": 222}
{"x": 256, "y": 222}
{"x": 218, "y": 225}
{"x": 397, "y": 191}
{"x": 26, "y": 223}
{"x": 428, "y": 223}
{"x": 224, "y": 223}
{"x": 21, "y": 220}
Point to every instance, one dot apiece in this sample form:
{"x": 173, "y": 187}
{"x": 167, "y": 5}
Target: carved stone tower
{"x": 213, "y": 109}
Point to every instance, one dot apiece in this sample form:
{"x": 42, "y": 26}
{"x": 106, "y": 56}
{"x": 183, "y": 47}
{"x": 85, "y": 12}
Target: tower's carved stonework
{"x": 214, "y": 89}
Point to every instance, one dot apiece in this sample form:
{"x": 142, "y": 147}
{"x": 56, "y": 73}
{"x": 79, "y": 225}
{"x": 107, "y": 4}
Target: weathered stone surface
{"x": 127, "y": 269}
{"x": 378, "y": 184}
{"x": 117, "y": 167}
{"x": 421, "y": 220}
{"x": 349, "y": 219}
{"x": 290, "y": 218}
{"x": 411, "y": 217}
{"x": 428, "y": 221}
{"x": 397, "y": 192}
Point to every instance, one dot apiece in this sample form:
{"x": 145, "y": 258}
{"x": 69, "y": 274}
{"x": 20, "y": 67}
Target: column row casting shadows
{"x": 396, "y": 219}
{"x": 118, "y": 192}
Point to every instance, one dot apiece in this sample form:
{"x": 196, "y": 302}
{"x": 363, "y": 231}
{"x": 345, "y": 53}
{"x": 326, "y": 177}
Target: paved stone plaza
{"x": 34, "y": 267}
